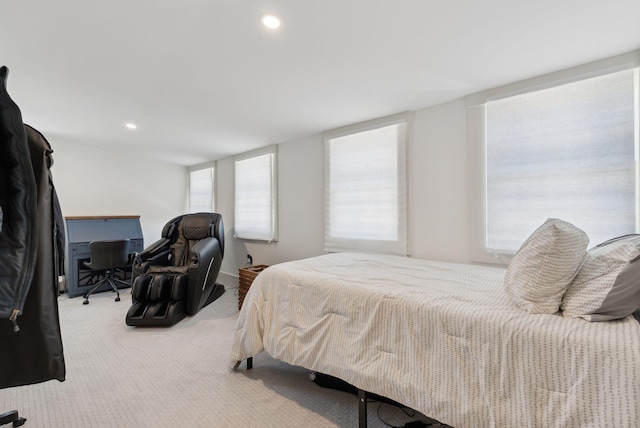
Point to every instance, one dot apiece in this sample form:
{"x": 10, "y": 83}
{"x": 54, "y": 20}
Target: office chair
{"x": 107, "y": 256}
{"x": 176, "y": 275}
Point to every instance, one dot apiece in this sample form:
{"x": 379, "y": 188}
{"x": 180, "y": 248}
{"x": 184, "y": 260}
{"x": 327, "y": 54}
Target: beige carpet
{"x": 180, "y": 376}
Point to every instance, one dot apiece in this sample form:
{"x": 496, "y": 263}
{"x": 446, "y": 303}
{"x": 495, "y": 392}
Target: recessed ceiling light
{"x": 131, "y": 125}
{"x": 270, "y": 21}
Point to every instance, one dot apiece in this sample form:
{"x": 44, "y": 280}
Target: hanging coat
{"x": 18, "y": 228}
{"x": 31, "y": 253}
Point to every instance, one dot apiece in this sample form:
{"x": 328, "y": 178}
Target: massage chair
{"x": 176, "y": 276}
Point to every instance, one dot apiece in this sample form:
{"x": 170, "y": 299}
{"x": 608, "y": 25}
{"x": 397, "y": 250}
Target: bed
{"x": 444, "y": 339}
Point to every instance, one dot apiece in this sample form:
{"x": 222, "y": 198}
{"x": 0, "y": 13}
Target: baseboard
{"x": 228, "y": 280}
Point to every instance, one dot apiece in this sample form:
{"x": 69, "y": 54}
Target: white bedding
{"x": 443, "y": 339}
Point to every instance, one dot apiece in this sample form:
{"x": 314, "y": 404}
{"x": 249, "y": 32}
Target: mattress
{"x": 443, "y": 339}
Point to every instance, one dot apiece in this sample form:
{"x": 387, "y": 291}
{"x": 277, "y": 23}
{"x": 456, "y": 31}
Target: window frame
{"x": 477, "y": 144}
{"x": 400, "y": 246}
{"x": 273, "y": 179}
{"x": 200, "y": 167}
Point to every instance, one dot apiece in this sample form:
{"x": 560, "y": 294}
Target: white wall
{"x": 438, "y": 185}
{"x": 437, "y": 200}
{"x": 94, "y": 181}
{"x": 300, "y": 208}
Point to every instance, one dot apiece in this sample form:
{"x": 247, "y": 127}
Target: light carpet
{"x": 179, "y": 376}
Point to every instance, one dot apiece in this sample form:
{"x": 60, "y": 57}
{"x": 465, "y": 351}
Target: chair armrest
{"x": 203, "y": 252}
{"x": 154, "y": 249}
{"x": 156, "y": 254}
{"x": 160, "y": 259}
{"x": 203, "y": 270}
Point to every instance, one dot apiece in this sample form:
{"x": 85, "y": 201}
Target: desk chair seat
{"x": 107, "y": 256}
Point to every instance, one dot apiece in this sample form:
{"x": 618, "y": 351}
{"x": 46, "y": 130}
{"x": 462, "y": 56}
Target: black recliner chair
{"x": 176, "y": 276}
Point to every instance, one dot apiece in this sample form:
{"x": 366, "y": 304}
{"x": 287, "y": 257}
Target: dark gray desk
{"x": 82, "y": 230}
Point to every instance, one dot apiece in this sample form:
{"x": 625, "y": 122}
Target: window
{"x": 256, "y": 196}
{"x": 365, "y": 187}
{"x": 201, "y": 185}
{"x": 563, "y": 146}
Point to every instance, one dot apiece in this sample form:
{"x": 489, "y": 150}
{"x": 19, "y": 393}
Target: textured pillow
{"x": 545, "y": 265}
{"x": 607, "y": 286}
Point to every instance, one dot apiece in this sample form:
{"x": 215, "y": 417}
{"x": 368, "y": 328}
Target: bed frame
{"x": 362, "y": 397}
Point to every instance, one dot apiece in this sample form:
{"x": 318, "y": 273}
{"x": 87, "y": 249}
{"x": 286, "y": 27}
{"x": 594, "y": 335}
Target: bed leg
{"x": 362, "y": 408}
{"x": 249, "y": 364}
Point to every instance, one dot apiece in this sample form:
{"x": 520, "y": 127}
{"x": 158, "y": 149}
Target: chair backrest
{"x": 191, "y": 229}
{"x": 108, "y": 254}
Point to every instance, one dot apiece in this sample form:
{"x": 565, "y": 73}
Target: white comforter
{"x": 443, "y": 339}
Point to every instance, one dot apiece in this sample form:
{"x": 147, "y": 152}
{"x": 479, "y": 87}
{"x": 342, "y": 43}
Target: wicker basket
{"x": 247, "y": 275}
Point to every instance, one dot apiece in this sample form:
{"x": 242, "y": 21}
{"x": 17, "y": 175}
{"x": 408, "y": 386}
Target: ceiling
{"x": 204, "y": 80}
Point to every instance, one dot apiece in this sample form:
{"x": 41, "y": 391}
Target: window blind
{"x": 365, "y": 190}
{"x": 255, "y": 197}
{"x": 561, "y": 145}
{"x": 566, "y": 152}
{"x": 201, "y": 185}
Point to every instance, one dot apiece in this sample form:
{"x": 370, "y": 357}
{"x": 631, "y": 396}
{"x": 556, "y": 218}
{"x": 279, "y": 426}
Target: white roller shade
{"x": 255, "y": 197}
{"x": 365, "y": 191}
{"x": 201, "y": 185}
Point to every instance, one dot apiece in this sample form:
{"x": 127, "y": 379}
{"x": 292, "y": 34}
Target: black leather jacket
{"x": 19, "y": 232}
{"x": 31, "y": 253}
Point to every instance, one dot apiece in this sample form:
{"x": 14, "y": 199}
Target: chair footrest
{"x": 159, "y": 287}
{"x": 149, "y": 314}
{"x": 158, "y": 300}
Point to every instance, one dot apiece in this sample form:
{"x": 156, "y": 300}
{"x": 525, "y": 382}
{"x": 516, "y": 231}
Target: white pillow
{"x": 545, "y": 265}
{"x": 607, "y": 286}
